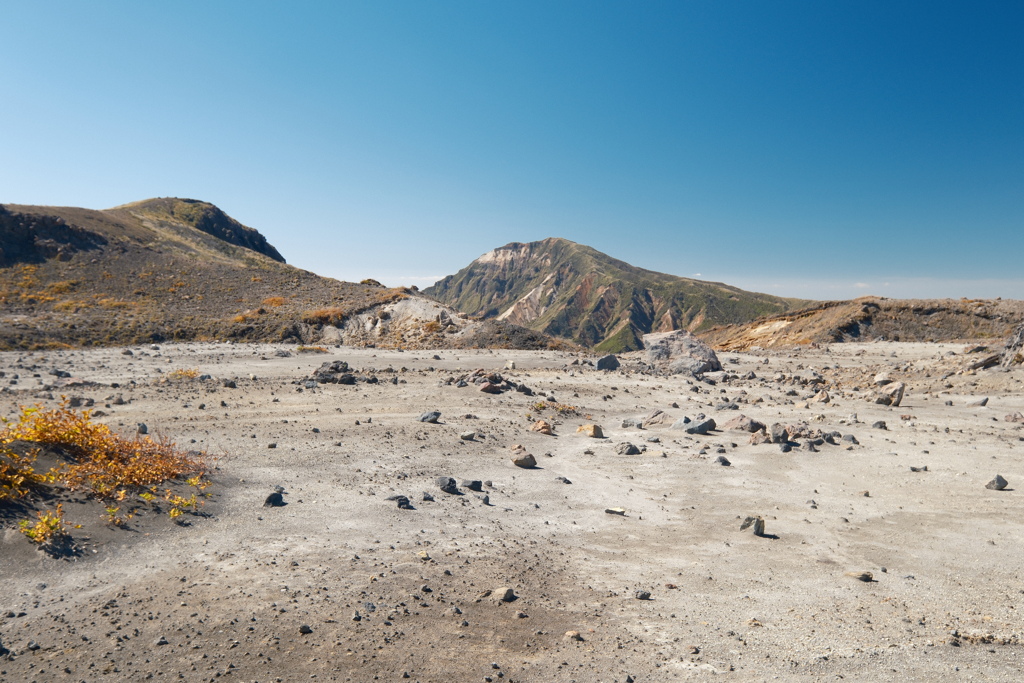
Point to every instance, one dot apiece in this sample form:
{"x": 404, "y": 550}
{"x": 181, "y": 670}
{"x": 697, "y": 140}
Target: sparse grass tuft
{"x": 183, "y": 373}
{"x": 562, "y": 409}
{"x": 311, "y": 349}
{"x": 332, "y": 315}
{"x": 274, "y": 301}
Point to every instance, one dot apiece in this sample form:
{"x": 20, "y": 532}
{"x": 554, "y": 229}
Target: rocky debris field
{"x": 791, "y": 516}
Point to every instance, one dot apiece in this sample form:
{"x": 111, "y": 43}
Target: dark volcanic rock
{"x": 447, "y": 484}
{"x": 997, "y": 484}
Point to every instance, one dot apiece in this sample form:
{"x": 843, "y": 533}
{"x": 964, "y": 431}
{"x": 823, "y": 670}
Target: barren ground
{"x": 225, "y": 597}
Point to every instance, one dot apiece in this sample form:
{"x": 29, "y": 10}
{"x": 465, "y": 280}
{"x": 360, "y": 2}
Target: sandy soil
{"x": 228, "y": 596}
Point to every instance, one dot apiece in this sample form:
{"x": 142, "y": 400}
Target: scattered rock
{"x": 505, "y": 594}
{"x": 894, "y": 393}
{"x": 403, "y": 502}
{"x": 756, "y": 522}
{"x": 616, "y": 511}
{"x": 542, "y": 427}
{"x": 431, "y": 417}
{"x": 723, "y": 461}
{"x": 978, "y": 403}
{"x": 922, "y": 468}
{"x": 742, "y": 423}
{"x": 1015, "y": 417}
{"x": 701, "y": 426}
{"x": 609, "y": 362}
{"x": 333, "y": 372}
{"x": 879, "y": 425}
{"x": 679, "y": 352}
{"x": 474, "y": 485}
{"x": 275, "y": 499}
{"x": 305, "y": 629}
{"x": 520, "y": 457}
{"x": 866, "y": 577}
{"x": 592, "y": 430}
{"x": 997, "y": 484}
{"x": 564, "y": 480}
{"x": 626, "y": 448}
{"x": 779, "y": 433}
{"x": 447, "y": 484}
{"x": 642, "y": 595}
{"x": 467, "y": 436}
{"x": 574, "y": 635}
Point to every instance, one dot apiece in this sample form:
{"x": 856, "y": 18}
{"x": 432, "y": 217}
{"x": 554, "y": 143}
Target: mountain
{"x": 876, "y": 318}
{"x": 182, "y": 269}
{"x": 573, "y": 291}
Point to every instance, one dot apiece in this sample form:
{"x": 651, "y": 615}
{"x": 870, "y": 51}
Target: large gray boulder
{"x": 679, "y": 352}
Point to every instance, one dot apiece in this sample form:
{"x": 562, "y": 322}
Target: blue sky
{"x": 813, "y": 149}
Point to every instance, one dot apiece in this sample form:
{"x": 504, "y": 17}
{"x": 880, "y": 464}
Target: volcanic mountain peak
{"x": 571, "y": 290}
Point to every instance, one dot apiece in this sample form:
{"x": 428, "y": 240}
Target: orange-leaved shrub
{"x": 101, "y": 461}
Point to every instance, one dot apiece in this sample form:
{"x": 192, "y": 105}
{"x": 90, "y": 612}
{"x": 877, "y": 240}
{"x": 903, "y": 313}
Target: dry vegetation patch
{"x": 87, "y": 460}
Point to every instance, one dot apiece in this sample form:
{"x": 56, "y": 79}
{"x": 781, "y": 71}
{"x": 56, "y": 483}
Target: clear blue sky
{"x": 816, "y": 149}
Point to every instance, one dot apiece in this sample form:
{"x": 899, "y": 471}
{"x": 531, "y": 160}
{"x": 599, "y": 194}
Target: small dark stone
{"x": 879, "y": 425}
{"x": 275, "y": 500}
{"x": 305, "y": 629}
{"x": 447, "y": 484}
{"x": 563, "y": 480}
{"x": 430, "y": 417}
{"x": 997, "y": 484}
{"x": 723, "y": 461}
{"x": 701, "y": 426}
{"x": 627, "y": 448}
{"x": 643, "y": 595}
{"x": 474, "y": 485}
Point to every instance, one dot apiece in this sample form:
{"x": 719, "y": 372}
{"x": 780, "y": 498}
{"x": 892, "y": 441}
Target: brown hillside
{"x": 170, "y": 269}
{"x": 871, "y": 318}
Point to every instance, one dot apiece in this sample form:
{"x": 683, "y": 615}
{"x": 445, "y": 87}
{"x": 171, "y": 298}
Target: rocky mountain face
{"x": 183, "y": 270}
{"x": 575, "y": 292}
